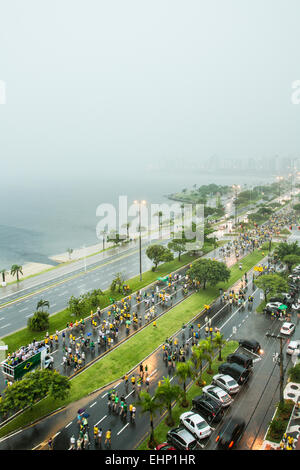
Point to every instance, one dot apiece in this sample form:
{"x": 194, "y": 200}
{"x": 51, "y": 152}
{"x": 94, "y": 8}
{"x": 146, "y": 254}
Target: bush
{"x": 39, "y": 321}
{"x": 277, "y": 428}
{"x": 294, "y": 374}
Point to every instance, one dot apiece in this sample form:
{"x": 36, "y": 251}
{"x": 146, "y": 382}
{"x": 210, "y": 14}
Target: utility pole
{"x": 279, "y": 360}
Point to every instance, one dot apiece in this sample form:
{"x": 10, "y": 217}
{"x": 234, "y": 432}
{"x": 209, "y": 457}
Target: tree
{"x": 271, "y": 284}
{"x": 127, "y": 226}
{"x": 219, "y": 341}
{"x": 290, "y": 261}
{"x": 32, "y": 388}
{"x": 208, "y": 348}
{"x": 39, "y": 321}
{"x": 185, "y": 371}
{"x": 115, "y": 238}
{"x": 207, "y": 270}
{"x": 198, "y": 355}
{"x": 3, "y": 273}
{"x": 42, "y": 303}
{"x": 16, "y": 270}
{"x": 178, "y": 245}
{"x": 158, "y": 254}
{"x": 296, "y": 207}
{"x": 118, "y": 281}
{"x": 166, "y": 393}
{"x": 75, "y": 305}
{"x": 149, "y": 404}
{"x": 284, "y": 249}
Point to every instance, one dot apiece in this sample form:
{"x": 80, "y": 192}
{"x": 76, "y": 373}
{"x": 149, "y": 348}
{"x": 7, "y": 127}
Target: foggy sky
{"x": 97, "y": 87}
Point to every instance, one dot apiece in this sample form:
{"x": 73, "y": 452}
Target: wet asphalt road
{"x": 255, "y": 402}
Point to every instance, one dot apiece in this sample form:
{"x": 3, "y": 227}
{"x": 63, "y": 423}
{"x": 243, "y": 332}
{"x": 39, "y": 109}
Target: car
{"x": 195, "y": 424}
{"x": 227, "y": 383}
{"x": 218, "y": 394}
{"x": 250, "y": 344}
{"x": 287, "y": 328}
{"x": 239, "y": 373}
{"x": 164, "y": 446}
{"x": 293, "y": 346}
{"x": 230, "y": 433}
{"x": 208, "y": 408}
{"x": 182, "y": 439}
{"x": 274, "y": 305}
{"x": 296, "y": 306}
{"x": 241, "y": 359}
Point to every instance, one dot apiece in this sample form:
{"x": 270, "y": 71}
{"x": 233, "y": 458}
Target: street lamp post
{"x": 140, "y": 203}
{"x": 235, "y": 187}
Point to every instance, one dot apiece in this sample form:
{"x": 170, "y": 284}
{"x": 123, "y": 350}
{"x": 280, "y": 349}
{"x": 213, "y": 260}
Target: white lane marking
{"x": 101, "y": 420}
{"x": 103, "y": 396}
{"x": 122, "y": 429}
{"x": 152, "y": 372}
{"x": 69, "y": 424}
{"x": 129, "y": 394}
{"x": 4, "y": 326}
{"x": 56, "y": 435}
{"x": 30, "y": 315}
{"x": 93, "y": 404}
{"x": 23, "y": 309}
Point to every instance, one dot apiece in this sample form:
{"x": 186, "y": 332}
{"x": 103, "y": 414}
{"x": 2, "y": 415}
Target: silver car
{"x": 218, "y": 394}
{"x": 293, "y": 346}
{"x": 226, "y": 382}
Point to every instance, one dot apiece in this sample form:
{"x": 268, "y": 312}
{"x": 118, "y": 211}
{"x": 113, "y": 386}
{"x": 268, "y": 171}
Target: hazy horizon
{"x": 106, "y": 88}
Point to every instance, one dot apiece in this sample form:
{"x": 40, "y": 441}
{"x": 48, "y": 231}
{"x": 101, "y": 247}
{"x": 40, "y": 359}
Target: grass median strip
{"x": 161, "y": 429}
{"x": 126, "y": 356}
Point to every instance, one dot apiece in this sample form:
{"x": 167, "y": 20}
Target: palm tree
{"x": 42, "y": 303}
{"x": 199, "y": 356}
{"x": 159, "y": 215}
{"x": 16, "y": 270}
{"x": 3, "y": 273}
{"x": 219, "y": 341}
{"x": 185, "y": 371}
{"x": 103, "y": 233}
{"x": 148, "y": 404}
{"x": 127, "y": 225}
{"x": 166, "y": 394}
{"x": 208, "y": 348}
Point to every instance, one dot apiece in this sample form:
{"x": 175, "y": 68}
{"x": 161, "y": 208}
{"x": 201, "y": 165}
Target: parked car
{"x": 287, "y": 328}
{"x": 230, "y": 433}
{"x": 164, "y": 446}
{"x": 227, "y": 383}
{"x": 218, "y": 394}
{"x": 182, "y": 439}
{"x": 293, "y": 346}
{"x": 239, "y": 373}
{"x": 208, "y": 408}
{"x": 195, "y": 424}
{"x": 274, "y": 304}
{"x": 250, "y": 344}
{"x": 241, "y": 359}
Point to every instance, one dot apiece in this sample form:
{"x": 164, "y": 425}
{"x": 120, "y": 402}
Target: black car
{"x": 237, "y": 372}
{"x": 241, "y": 359}
{"x": 208, "y": 408}
{"x": 230, "y": 432}
{"x": 250, "y": 344}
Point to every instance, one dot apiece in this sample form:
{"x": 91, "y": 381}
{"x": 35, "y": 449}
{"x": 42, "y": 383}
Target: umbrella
{"x": 85, "y": 415}
{"x": 282, "y": 307}
{"x": 89, "y": 334}
{"x": 81, "y": 410}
